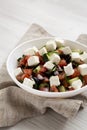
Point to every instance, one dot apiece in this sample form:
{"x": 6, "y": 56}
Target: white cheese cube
{"x": 84, "y": 57}
{"x": 33, "y": 60}
{"x": 77, "y": 84}
{"x": 42, "y": 51}
{"x": 31, "y": 51}
{"x": 69, "y": 69}
{"x": 55, "y": 58}
{"x": 59, "y": 42}
{"x": 54, "y": 80}
{"x": 18, "y": 71}
{"x": 66, "y": 50}
{"x": 35, "y": 49}
{"x": 51, "y": 45}
{"x": 83, "y": 69}
{"x": 29, "y": 82}
{"x": 49, "y": 65}
{"x": 75, "y": 56}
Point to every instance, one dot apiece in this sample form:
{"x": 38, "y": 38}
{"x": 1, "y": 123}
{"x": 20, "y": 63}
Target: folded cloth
{"x": 17, "y": 104}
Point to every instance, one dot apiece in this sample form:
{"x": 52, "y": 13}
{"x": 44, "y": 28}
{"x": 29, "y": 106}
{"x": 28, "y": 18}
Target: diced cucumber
{"x": 44, "y": 85}
{"x": 47, "y": 56}
{"x": 62, "y": 88}
{"x": 77, "y": 50}
{"x": 50, "y": 53}
{"x": 72, "y": 80}
{"x": 54, "y": 69}
{"x": 36, "y": 70}
{"x": 60, "y": 48}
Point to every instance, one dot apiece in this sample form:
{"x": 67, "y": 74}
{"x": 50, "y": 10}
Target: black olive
{"x": 37, "y": 81}
{"x": 48, "y": 73}
{"x": 66, "y": 57}
{"x": 74, "y": 64}
{"x": 35, "y": 86}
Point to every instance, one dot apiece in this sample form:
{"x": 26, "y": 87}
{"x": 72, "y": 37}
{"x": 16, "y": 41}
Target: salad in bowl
{"x": 50, "y": 67}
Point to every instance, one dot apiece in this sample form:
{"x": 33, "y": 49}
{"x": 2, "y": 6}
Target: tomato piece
{"x": 85, "y": 79}
{"x": 65, "y": 83}
{"x": 61, "y": 75}
{"x": 19, "y": 77}
{"x": 27, "y": 57}
{"x": 40, "y": 58}
{"x": 25, "y": 76}
{"x": 27, "y": 71}
{"x": 53, "y": 88}
{"x": 46, "y": 79}
{"x": 23, "y": 61}
{"x": 70, "y": 89}
{"x": 42, "y": 70}
{"x": 75, "y": 74}
{"x": 59, "y": 51}
{"x": 62, "y": 63}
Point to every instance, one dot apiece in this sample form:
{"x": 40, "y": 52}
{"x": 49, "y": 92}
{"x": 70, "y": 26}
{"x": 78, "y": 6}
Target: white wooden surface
{"x": 62, "y": 18}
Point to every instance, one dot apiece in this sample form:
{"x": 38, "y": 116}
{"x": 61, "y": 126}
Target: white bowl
{"x": 18, "y": 52}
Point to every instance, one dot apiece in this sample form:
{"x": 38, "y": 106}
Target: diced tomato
{"x": 75, "y": 74}
{"x": 46, "y": 79}
{"x": 53, "y": 88}
{"x": 59, "y": 51}
{"x": 40, "y": 58}
{"x": 25, "y": 76}
{"x": 27, "y": 57}
{"x": 62, "y": 63}
{"x": 65, "y": 83}
{"x": 85, "y": 79}
{"x": 27, "y": 71}
{"x": 70, "y": 89}
{"x": 23, "y": 61}
{"x": 61, "y": 76}
{"x": 43, "y": 69}
{"x": 19, "y": 77}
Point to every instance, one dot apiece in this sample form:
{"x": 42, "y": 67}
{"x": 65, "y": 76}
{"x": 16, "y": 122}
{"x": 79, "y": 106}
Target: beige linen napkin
{"x": 17, "y": 104}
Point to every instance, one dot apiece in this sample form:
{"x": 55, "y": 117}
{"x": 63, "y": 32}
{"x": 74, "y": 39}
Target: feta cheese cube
{"x": 54, "y": 80}
{"x": 31, "y": 51}
{"x": 49, "y": 65}
{"x": 84, "y": 57}
{"x": 35, "y": 49}
{"x": 33, "y": 60}
{"x": 69, "y": 69}
{"x": 66, "y": 50}
{"x": 59, "y": 42}
{"x": 77, "y": 84}
{"x": 29, "y": 82}
{"x": 42, "y": 51}
{"x": 55, "y": 58}
{"x": 51, "y": 45}
{"x": 75, "y": 56}
{"x": 18, "y": 71}
{"x": 83, "y": 69}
